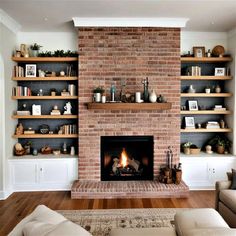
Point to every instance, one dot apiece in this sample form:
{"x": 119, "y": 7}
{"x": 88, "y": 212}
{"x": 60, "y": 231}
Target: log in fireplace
{"x": 126, "y": 158}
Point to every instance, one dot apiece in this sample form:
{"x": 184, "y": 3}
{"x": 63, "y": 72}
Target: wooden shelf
{"x": 206, "y": 94}
{"x": 43, "y": 97}
{"x": 129, "y": 106}
{"x": 206, "y": 77}
{"x": 46, "y": 117}
{"x": 44, "y": 59}
{"x": 205, "y": 59}
{"x": 206, "y": 112}
{"x": 46, "y": 136}
{"x": 206, "y": 130}
{"x": 57, "y": 78}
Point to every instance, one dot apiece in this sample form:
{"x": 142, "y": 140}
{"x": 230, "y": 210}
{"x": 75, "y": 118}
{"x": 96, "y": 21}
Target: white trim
{"x": 9, "y": 22}
{"x": 5, "y": 195}
{"x": 129, "y": 22}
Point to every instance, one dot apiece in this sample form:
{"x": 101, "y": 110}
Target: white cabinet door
{"x": 53, "y": 172}
{"x": 24, "y": 174}
{"x": 195, "y": 172}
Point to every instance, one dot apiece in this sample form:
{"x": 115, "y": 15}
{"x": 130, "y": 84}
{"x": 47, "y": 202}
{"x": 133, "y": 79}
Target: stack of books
{"x": 212, "y": 125}
{"x": 18, "y": 71}
{"x": 69, "y": 129}
{"x": 219, "y": 108}
{"x": 55, "y": 112}
{"x": 21, "y": 91}
{"x": 196, "y": 71}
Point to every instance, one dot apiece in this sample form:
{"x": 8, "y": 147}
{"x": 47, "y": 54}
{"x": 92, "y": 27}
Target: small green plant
{"x": 220, "y": 140}
{"x": 35, "y": 46}
{"x": 99, "y": 90}
{"x": 186, "y": 145}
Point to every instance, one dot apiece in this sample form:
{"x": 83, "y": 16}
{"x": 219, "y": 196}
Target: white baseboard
{"x": 5, "y": 194}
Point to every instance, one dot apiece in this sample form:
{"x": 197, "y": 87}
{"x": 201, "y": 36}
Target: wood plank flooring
{"x": 18, "y": 205}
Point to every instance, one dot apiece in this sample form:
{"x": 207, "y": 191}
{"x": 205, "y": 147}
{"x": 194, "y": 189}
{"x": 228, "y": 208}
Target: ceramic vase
{"x": 152, "y": 96}
{"x": 97, "y": 97}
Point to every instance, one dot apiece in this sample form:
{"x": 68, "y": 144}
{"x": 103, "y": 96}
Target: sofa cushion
{"x": 143, "y": 231}
{"x": 198, "y": 218}
{"x": 211, "y": 231}
{"x": 233, "y": 186}
{"x": 228, "y": 197}
{"x": 65, "y": 228}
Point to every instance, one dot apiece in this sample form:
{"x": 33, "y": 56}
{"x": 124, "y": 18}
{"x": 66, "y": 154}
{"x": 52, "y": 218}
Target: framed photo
{"x": 189, "y": 122}
{"x": 219, "y": 71}
{"x": 192, "y": 105}
{"x": 30, "y": 70}
{"x": 36, "y": 110}
{"x": 199, "y": 51}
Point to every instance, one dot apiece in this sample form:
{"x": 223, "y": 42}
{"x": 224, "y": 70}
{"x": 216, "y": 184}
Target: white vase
{"x": 97, "y": 97}
{"x": 152, "y": 96}
{"x": 34, "y": 53}
{"x": 207, "y": 90}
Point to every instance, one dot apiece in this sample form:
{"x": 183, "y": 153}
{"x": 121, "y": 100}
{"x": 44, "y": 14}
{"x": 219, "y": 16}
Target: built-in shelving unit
{"x": 129, "y": 106}
{"x": 48, "y": 83}
{"x": 206, "y": 102}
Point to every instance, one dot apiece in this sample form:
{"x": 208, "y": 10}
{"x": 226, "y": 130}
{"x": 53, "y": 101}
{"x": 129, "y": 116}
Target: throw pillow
{"x": 233, "y": 186}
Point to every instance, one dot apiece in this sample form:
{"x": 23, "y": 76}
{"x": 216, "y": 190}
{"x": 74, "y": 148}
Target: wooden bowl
{"x": 218, "y": 51}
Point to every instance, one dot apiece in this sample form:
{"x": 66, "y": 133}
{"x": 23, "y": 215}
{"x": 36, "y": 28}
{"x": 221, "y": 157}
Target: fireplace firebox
{"x": 126, "y": 158}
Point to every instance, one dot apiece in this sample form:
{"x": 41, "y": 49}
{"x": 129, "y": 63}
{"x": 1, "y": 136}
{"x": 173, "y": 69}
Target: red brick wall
{"x": 108, "y": 55}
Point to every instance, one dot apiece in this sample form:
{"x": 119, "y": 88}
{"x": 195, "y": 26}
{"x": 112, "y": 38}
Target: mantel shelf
{"x": 56, "y": 78}
{"x": 206, "y": 77}
{"x": 206, "y": 112}
{"x": 44, "y": 59}
{"x": 129, "y": 106}
{"x": 202, "y": 130}
{"x": 205, "y": 59}
{"x": 206, "y": 94}
{"x": 43, "y": 97}
{"x": 45, "y": 117}
{"x": 46, "y": 136}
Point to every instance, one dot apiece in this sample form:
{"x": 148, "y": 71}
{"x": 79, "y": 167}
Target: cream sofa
{"x": 226, "y": 202}
{"x": 44, "y": 221}
{"x": 195, "y": 222}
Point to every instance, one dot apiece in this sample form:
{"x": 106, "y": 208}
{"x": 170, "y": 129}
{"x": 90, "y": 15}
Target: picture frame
{"x": 36, "y": 110}
{"x": 193, "y": 105}
{"x": 220, "y": 71}
{"x": 199, "y": 51}
{"x": 189, "y": 122}
{"x": 30, "y": 70}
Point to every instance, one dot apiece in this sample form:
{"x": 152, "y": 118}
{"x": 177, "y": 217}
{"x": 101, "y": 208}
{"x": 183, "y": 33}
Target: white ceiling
{"x": 56, "y": 15}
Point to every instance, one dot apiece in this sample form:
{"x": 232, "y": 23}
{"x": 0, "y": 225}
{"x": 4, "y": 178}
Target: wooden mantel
{"x": 129, "y": 106}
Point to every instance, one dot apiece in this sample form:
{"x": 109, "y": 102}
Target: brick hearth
{"x": 128, "y": 189}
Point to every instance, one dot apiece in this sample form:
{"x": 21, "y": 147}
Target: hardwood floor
{"x": 18, "y": 205}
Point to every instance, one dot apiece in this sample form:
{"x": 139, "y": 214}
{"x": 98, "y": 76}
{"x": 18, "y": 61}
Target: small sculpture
{"x": 67, "y": 108}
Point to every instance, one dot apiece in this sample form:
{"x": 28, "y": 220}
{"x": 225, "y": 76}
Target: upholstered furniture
{"x": 44, "y": 221}
{"x": 194, "y": 222}
{"x": 226, "y": 202}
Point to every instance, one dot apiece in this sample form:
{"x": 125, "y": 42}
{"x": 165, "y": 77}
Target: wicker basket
{"x": 195, "y": 150}
{"x": 218, "y": 51}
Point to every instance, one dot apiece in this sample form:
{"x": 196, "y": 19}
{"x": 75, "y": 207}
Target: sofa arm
{"x": 220, "y": 185}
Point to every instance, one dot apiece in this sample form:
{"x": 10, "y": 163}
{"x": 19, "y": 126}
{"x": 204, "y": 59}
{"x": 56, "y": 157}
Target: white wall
{"x": 232, "y": 85}
{"x": 50, "y": 41}
{"x": 7, "y": 44}
{"x": 207, "y": 39}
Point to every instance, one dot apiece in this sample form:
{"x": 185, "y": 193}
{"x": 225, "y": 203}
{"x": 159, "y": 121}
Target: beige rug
{"x": 100, "y": 222}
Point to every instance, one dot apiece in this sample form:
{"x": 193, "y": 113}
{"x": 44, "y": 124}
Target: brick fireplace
{"x": 110, "y": 55}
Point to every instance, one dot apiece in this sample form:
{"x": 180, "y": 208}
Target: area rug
{"x": 100, "y": 222}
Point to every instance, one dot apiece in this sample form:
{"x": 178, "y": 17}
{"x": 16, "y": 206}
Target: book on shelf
{"x": 21, "y": 91}
{"x": 23, "y": 113}
{"x": 69, "y": 129}
{"x": 196, "y": 71}
{"x": 212, "y": 125}
{"x": 18, "y": 71}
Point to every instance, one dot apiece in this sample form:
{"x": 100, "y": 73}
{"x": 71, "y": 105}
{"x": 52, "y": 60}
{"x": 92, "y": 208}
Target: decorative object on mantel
{"x": 64, "y": 148}
{"x": 123, "y": 90}
{"x": 218, "y": 51}
{"x": 44, "y": 129}
{"x": 97, "y": 94}
{"x": 145, "y": 89}
{"x": 46, "y": 150}
{"x": 161, "y": 99}
{"x": 27, "y": 147}
{"x": 138, "y": 97}
{"x": 191, "y": 89}
{"x": 199, "y": 51}
{"x": 113, "y": 92}
{"x": 152, "y": 96}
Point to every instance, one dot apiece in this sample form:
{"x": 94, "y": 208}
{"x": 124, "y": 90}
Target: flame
{"x": 124, "y": 158}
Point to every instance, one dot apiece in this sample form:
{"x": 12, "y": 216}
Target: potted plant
{"x": 194, "y": 149}
{"x": 186, "y": 147}
{"x": 34, "y": 48}
{"x": 97, "y": 92}
{"x": 221, "y": 144}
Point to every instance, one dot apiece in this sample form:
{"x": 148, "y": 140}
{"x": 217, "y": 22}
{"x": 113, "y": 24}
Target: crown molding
{"x": 9, "y": 22}
{"x": 129, "y": 22}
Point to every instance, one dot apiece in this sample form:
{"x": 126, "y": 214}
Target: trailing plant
{"x": 59, "y": 53}
{"x": 35, "y": 46}
{"x": 186, "y": 145}
{"x": 220, "y": 140}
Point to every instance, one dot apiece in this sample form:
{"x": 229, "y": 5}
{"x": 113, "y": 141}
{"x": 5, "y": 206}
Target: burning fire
{"x": 124, "y": 158}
